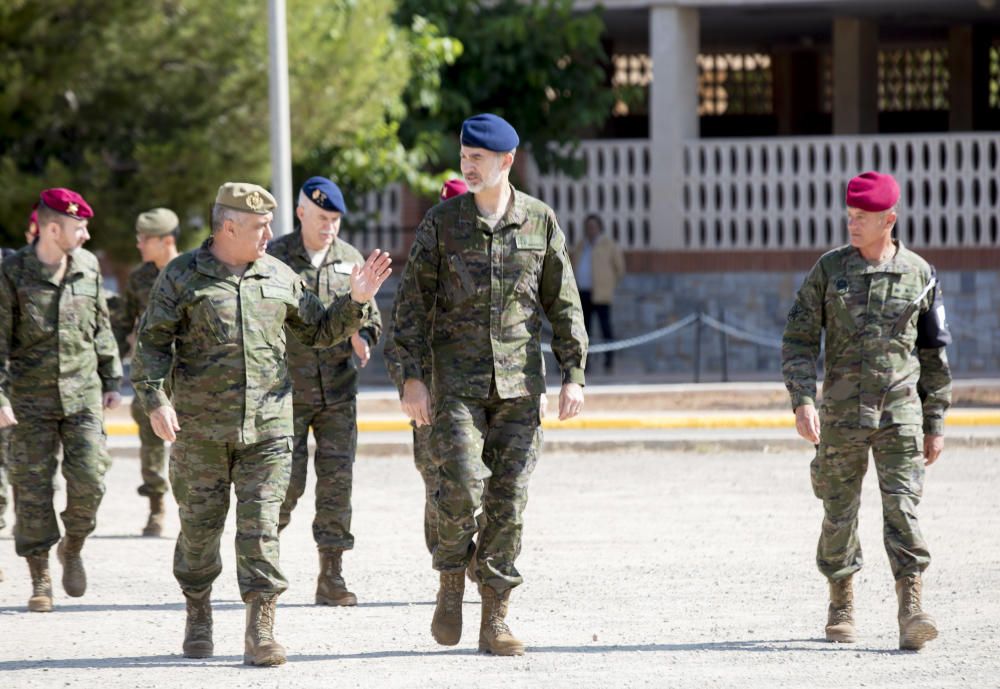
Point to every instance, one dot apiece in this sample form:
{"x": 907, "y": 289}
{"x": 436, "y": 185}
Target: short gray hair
{"x": 220, "y": 214}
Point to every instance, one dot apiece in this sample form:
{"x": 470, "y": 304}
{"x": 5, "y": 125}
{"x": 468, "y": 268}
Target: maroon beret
{"x": 67, "y": 202}
{"x": 453, "y": 187}
{"x": 873, "y": 192}
{"x": 33, "y": 223}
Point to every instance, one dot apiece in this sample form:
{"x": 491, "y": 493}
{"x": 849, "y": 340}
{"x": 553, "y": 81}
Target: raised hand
{"x": 366, "y": 279}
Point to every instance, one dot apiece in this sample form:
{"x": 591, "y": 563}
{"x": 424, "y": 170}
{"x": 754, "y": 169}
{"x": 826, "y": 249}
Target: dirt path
{"x": 680, "y": 570}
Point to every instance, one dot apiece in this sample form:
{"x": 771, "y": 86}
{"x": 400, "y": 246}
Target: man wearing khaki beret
{"x": 215, "y": 326}
{"x": 156, "y": 234}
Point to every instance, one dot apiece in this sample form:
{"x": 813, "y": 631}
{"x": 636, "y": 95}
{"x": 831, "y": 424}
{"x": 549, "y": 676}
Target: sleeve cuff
{"x": 153, "y": 400}
{"x": 933, "y": 426}
{"x": 799, "y": 400}
{"x": 111, "y": 384}
{"x": 5, "y": 401}
{"x": 574, "y": 375}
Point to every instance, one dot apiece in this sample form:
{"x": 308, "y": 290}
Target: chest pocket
{"x": 215, "y": 318}
{"x": 40, "y": 305}
{"x": 338, "y": 281}
{"x": 525, "y": 261}
{"x": 84, "y": 304}
{"x": 846, "y": 301}
{"x": 272, "y": 310}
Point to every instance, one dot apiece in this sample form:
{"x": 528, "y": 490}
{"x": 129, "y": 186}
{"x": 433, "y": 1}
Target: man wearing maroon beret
{"x": 886, "y": 388}
{"x": 59, "y": 369}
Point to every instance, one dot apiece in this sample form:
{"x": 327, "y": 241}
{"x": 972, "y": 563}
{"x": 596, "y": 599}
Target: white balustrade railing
{"x": 615, "y": 186}
{"x": 760, "y": 193}
{"x": 780, "y": 193}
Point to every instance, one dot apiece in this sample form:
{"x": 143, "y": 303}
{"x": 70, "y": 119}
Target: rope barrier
{"x": 690, "y": 319}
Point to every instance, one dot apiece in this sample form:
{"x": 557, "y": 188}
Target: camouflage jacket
{"x": 485, "y": 291}
{"x": 57, "y": 352}
{"x": 132, "y": 303}
{"x": 221, "y": 338}
{"x": 325, "y": 376}
{"x": 874, "y": 374}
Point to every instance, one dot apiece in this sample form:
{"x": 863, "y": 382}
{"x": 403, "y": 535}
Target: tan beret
{"x": 245, "y": 197}
{"x": 157, "y": 222}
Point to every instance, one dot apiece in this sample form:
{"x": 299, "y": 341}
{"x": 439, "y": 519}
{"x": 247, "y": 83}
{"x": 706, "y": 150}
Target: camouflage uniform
{"x": 60, "y": 356}
{"x": 152, "y": 449}
{"x": 882, "y": 391}
{"x": 486, "y": 290}
{"x": 423, "y": 458}
{"x": 221, "y": 340}
{"x": 325, "y": 388}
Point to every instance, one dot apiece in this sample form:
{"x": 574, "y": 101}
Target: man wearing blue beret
{"x": 484, "y": 269}
{"x": 325, "y": 382}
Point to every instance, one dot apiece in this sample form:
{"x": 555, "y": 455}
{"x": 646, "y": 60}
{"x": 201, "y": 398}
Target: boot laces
{"x": 843, "y": 614}
{"x": 265, "y": 622}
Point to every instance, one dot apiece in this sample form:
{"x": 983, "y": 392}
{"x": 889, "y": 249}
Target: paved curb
{"x": 722, "y": 420}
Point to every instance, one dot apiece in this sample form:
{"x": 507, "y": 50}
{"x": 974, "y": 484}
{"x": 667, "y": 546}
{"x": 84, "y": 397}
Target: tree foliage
{"x": 157, "y": 103}
{"x": 537, "y": 63}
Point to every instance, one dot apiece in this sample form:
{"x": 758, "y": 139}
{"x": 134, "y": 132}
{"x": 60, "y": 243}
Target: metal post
{"x": 697, "y": 348}
{"x": 724, "y": 344}
{"x": 281, "y": 138}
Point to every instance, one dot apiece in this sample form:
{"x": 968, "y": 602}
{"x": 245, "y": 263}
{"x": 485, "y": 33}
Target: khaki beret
{"x": 245, "y": 197}
{"x": 157, "y": 222}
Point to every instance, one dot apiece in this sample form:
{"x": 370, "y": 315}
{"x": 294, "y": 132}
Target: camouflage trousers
{"x": 201, "y": 474}
{"x": 335, "y": 429}
{"x": 423, "y": 458}
{"x": 837, "y": 471}
{"x": 152, "y": 455}
{"x": 4, "y": 452}
{"x": 33, "y": 460}
{"x": 486, "y": 451}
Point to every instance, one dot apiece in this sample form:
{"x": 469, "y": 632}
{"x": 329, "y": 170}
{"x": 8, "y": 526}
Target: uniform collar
{"x": 515, "y": 215}
{"x": 855, "y": 263}
{"x": 42, "y": 272}
{"x": 207, "y": 264}
{"x": 298, "y": 249}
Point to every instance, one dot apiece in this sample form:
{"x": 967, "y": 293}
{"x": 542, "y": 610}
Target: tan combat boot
{"x": 41, "y": 583}
{"x": 198, "y": 627}
{"x": 840, "y": 615}
{"x": 470, "y": 570}
{"x": 74, "y": 578}
{"x": 259, "y": 647}
{"x": 330, "y": 586}
{"x": 494, "y": 634}
{"x": 446, "y": 627}
{"x": 916, "y": 627}
{"x": 157, "y": 515}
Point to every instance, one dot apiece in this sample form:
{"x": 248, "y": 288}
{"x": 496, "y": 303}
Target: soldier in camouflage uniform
{"x": 29, "y": 237}
{"x": 156, "y": 232}
{"x": 886, "y": 388}
{"x": 58, "y": 368}
{"x": 325, "y": 382}
{"x": 216, "y": 326}
{"x": 484, "y": 269}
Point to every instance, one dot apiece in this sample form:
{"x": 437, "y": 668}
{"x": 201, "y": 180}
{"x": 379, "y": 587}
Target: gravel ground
{"x": 680, "y": 569}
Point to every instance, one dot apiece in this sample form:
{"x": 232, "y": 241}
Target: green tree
{"x": 157, "y": 103}
{"x": 540, "y": 64}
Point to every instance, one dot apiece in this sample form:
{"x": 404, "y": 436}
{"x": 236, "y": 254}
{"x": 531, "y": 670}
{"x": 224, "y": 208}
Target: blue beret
{"x": 325, "y": 194}
{"x": 490, "y": 132}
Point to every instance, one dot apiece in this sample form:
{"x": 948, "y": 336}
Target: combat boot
{"x": 446, "y": 627}
{"x": 41, "y": 583}
{"x": 157, "y": 515}
{"x": 840, "y": 614}
{"x": 494, "y": 634}
{"x": 259, "y": 646}
{"x": 198, "y": 627}
{"x": 330, "y": 586}
{"x": 74, "y": 578}
{"x": 916, "y": 627}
